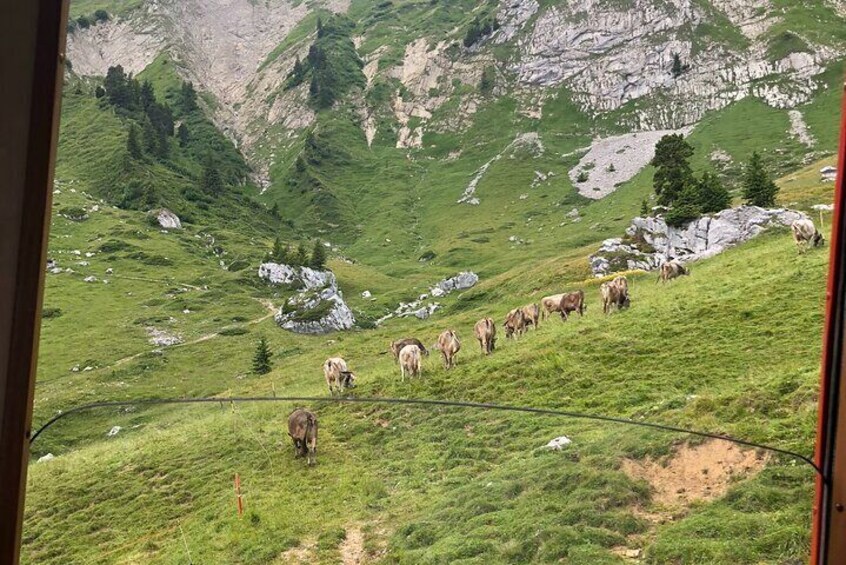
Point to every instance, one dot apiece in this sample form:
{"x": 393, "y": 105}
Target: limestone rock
{"x": 317, "y": 308}
{"x": 167, "y": 219}
{"x": 650, "y": 242}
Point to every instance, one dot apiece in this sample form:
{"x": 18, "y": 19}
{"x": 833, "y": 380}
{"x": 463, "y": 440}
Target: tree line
{"x": 688, "y": 196}
{"x": 332, "y": 65}
{"x": 299, "y": 256}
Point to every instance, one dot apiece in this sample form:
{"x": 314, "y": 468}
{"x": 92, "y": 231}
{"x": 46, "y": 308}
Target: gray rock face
{"x": 317, "y": 308}
{"x": 167, "y": 219}
{"x": 460, "y": 281}
{"x": 610, "y": 53}
{"x": 650, "y": 242}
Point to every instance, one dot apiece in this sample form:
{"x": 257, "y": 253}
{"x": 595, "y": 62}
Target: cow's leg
{"x": 402, "y": 372}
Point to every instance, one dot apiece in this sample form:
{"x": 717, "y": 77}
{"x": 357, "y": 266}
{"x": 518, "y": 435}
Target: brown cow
{"x": 449, "y": 345}
{"x": 302, "y": 427}
{"x": 531, "y": 315}
{"x": 572, "y": 302}
{"x": 670, "y": 270}
{"x": 550, "y": 304}
{"x": 805, "y": 234}
{"x": 615, "y": 293}
{"x": 338, "y": 376}
{"x": 396, "y": 346}
{"x": 410, "y": 362}
{"x": 485, "y": 330}
{"x": 515, "y": 323}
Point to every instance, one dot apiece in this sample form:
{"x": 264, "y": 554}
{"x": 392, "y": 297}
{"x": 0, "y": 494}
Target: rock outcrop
{"x": 462, "y": 280}
{"x": 650, "y": 242}
{"x": 612, "y": 53}
{"x": 318, "y": 307}
{"x": 167, "y": 219}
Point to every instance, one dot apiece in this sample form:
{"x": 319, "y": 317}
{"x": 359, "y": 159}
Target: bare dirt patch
{"x": 352, "y": 548}
{"x": 701, "y": 472}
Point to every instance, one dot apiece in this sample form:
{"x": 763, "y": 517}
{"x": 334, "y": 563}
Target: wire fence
{"x": 428, "y": 403}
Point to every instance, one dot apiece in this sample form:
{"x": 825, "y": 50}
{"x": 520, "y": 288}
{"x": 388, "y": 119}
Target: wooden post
{"x": 238, "y": 500}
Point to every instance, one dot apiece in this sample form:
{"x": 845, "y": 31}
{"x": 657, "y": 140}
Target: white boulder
{"x": 167, "y": 219}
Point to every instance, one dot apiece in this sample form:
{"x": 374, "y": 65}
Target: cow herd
{"x": 409, "y": 352}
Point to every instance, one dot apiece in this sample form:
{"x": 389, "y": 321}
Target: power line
{"x": 425, "y": 402}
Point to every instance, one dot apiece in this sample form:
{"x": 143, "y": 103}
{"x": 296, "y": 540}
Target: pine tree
{"x": 319, "y": 27}
{"x": 261, "y": 359}
{"x": 672, "y": 174}
{"x": 644, "y": 208}
{"x": 188, "y": 97}
{"x": 279, "y": 254}
{"x": 133, "y": 144}
{"x": 183, "y": 135}
{"x": 210, "y": 181}
{"x": 712, "y": 195}
{"x": 147, "y": 95}
{"x": 150, "y": 138}
{"x": 99, "y": 92}
{"x": 677, "y": 68}
{"x": 162, "y": 145}
{"x": 686, "y": 207}
{"x": 318, "y": 256}
{"x": 274, "y": 211}
{"x": 301, "y": 255}
{"x": 758, "y": 188}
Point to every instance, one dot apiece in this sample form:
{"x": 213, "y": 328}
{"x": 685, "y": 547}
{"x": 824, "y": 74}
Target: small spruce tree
{"x": 279, "y": 254}
{"x": 133, "y": 143}
{"x": 183, "y": 135}
{"x": 758, "y": 187}
{"x": 318, "y": 256}
{"x": 301, "y": 255}
{"x": 644, "y": 208}
{"x": 713, "y": 196}
{"x": 677, "y": 68}
{"x": 211, "y": 181}
{"x": 261, "y": 359}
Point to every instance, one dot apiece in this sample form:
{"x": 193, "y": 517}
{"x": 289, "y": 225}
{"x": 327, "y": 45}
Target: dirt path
{"x": 352, "y": 548}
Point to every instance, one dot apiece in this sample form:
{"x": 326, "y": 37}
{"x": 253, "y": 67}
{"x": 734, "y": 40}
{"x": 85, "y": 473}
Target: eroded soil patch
{"x": 692, "y": 473}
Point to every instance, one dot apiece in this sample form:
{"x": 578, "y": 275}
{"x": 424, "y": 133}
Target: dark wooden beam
{"x": 32, "y": 68}
{"x": 828, "y": 536}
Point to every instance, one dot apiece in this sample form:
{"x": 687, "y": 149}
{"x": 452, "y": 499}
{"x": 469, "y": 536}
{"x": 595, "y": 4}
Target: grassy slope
{"x": 423, "y": 479}
{"x": 459, "y": 487}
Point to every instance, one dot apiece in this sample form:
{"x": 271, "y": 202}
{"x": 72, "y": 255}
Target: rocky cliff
{"x": 318, "y": 306}
{"x": 649, "y": 242}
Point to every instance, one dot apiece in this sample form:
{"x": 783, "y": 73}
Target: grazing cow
{"x": 396, "y": 346}
{"x": 550, "y": 304}
{"x": 515, "y": 323}
{"x": 572, "y": 302}
{"x": 806, "y": 234}
{"x": 485, "y": 330}
{"x": 615, "y": 293}
{"x": 302, "y": 427}
{"x": 449, "y": 345}
{"x": 531, "y": 315}
{"x": 409, "y": 360}
{"x": 671, "y": 270}
{"x": 338, "y": 376}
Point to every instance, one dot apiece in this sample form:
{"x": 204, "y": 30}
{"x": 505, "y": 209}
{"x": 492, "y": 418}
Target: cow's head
{"x": 818, "y": 240}
{"x": 347, "y": 379}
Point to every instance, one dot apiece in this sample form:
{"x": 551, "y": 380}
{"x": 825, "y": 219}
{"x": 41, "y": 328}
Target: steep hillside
{"x": 418, "y": 139}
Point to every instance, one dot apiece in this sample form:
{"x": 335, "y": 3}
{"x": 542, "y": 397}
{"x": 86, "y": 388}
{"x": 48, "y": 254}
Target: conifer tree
{"x": 713, "y": 196}
{"x": 758, "y": 187}
{"x": 672, "y": 168}
{"x": 133, "y": 144}
{"x": 261, "y": 360}
{"x": 183, "y": 135}
{"x": 318, "y": 256}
